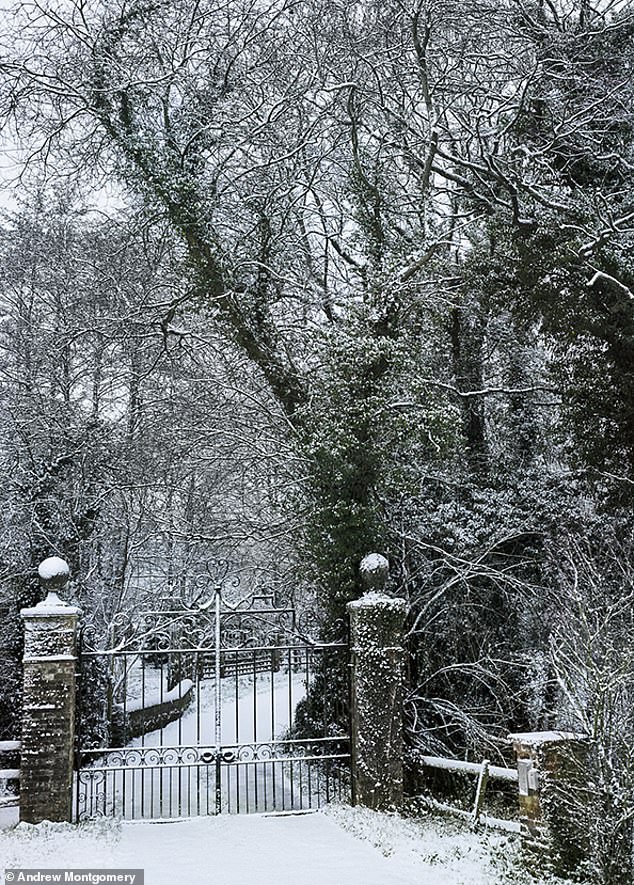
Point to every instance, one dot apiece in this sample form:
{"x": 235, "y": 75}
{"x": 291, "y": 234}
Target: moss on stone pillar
{"x": 553, "y": 784}
{"x": 377, "y": 656}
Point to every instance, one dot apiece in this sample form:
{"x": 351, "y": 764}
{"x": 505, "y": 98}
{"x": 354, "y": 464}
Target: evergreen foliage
{"x": 371, "y": 289}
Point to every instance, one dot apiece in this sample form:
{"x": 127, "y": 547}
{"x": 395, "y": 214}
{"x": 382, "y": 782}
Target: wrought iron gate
{"x": 210, "y": 709}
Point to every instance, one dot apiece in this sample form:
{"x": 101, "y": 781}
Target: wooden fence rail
{"x": 495, "y": 771}
{"x": 485, "y": 772}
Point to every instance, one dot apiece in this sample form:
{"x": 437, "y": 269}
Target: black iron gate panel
{"x": 184, "y": 730}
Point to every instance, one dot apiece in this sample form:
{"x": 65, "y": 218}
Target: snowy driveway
{"x": 343, "y": 846}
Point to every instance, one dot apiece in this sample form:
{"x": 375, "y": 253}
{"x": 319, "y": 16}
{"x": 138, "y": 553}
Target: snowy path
{"x": 346, "y": 846}
{"x": 250, "y": 713}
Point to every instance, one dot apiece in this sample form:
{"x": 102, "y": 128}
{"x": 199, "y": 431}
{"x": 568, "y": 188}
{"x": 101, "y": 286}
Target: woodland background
{"x": 366, "y": 284}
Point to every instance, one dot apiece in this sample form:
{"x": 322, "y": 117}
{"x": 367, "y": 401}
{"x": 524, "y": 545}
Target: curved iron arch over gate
{"x": 211, "y": 707}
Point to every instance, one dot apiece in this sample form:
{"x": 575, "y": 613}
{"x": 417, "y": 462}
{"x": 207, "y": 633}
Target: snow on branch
{"x": 467, "y": 394}
{"x": 602, "y": 277}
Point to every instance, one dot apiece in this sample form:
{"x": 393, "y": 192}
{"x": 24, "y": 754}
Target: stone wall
{"x": 138, "y": 720}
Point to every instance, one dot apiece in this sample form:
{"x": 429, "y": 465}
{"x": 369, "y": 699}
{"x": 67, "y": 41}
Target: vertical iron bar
{"x": 161, "y": 778}
{"x": 81, "y": 663}
{"x": 292, "y": 768}
{"x": 125, "y": 700}
{"x": 179, "y": 673}
{"x": 152, "y": 776}
{"x": 318, "y": 775}
{"x": 272, "y": 734}
{"x": 218, "y": 701}
{"x": 125, "y": 729}
{"x": 290, "y": 686}
{"x": 273, "y": 654}
{"x": 237, "y": 696}
{"x": 197, "y": 676}
{"x": 143, "y": 662}
{"x": 180, "y": 696}
{"x": 218, "y": 784}
{"x": 255, "y": 731}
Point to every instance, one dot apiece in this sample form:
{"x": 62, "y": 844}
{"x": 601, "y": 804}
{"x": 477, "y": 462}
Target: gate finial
{"x": 375, "y": 570}
{"x": 54, "y": 574}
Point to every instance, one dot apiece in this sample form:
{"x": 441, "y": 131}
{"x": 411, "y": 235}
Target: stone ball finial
{"x": 53, "y": 573}
{"x": 375, "y": 570}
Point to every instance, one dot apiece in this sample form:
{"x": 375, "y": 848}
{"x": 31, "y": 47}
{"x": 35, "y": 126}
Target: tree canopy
{"x": 371, "y": 280}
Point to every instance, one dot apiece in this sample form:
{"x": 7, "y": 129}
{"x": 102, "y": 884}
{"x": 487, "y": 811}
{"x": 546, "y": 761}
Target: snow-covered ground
{"x": 341, "y": 846}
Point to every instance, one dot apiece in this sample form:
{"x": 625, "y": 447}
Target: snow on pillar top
{"x": 539, "y": 738}
{"x": 374, "y": 570}
{"x": 50, "y": 627}
{"x": 53, "y": 573}
{"x": 376, "y": 619}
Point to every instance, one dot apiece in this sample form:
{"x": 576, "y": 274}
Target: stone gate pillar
{"x": 376, "y": 639}
{"x": 48, "y": 718}
{"x": 553, "y": 774}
